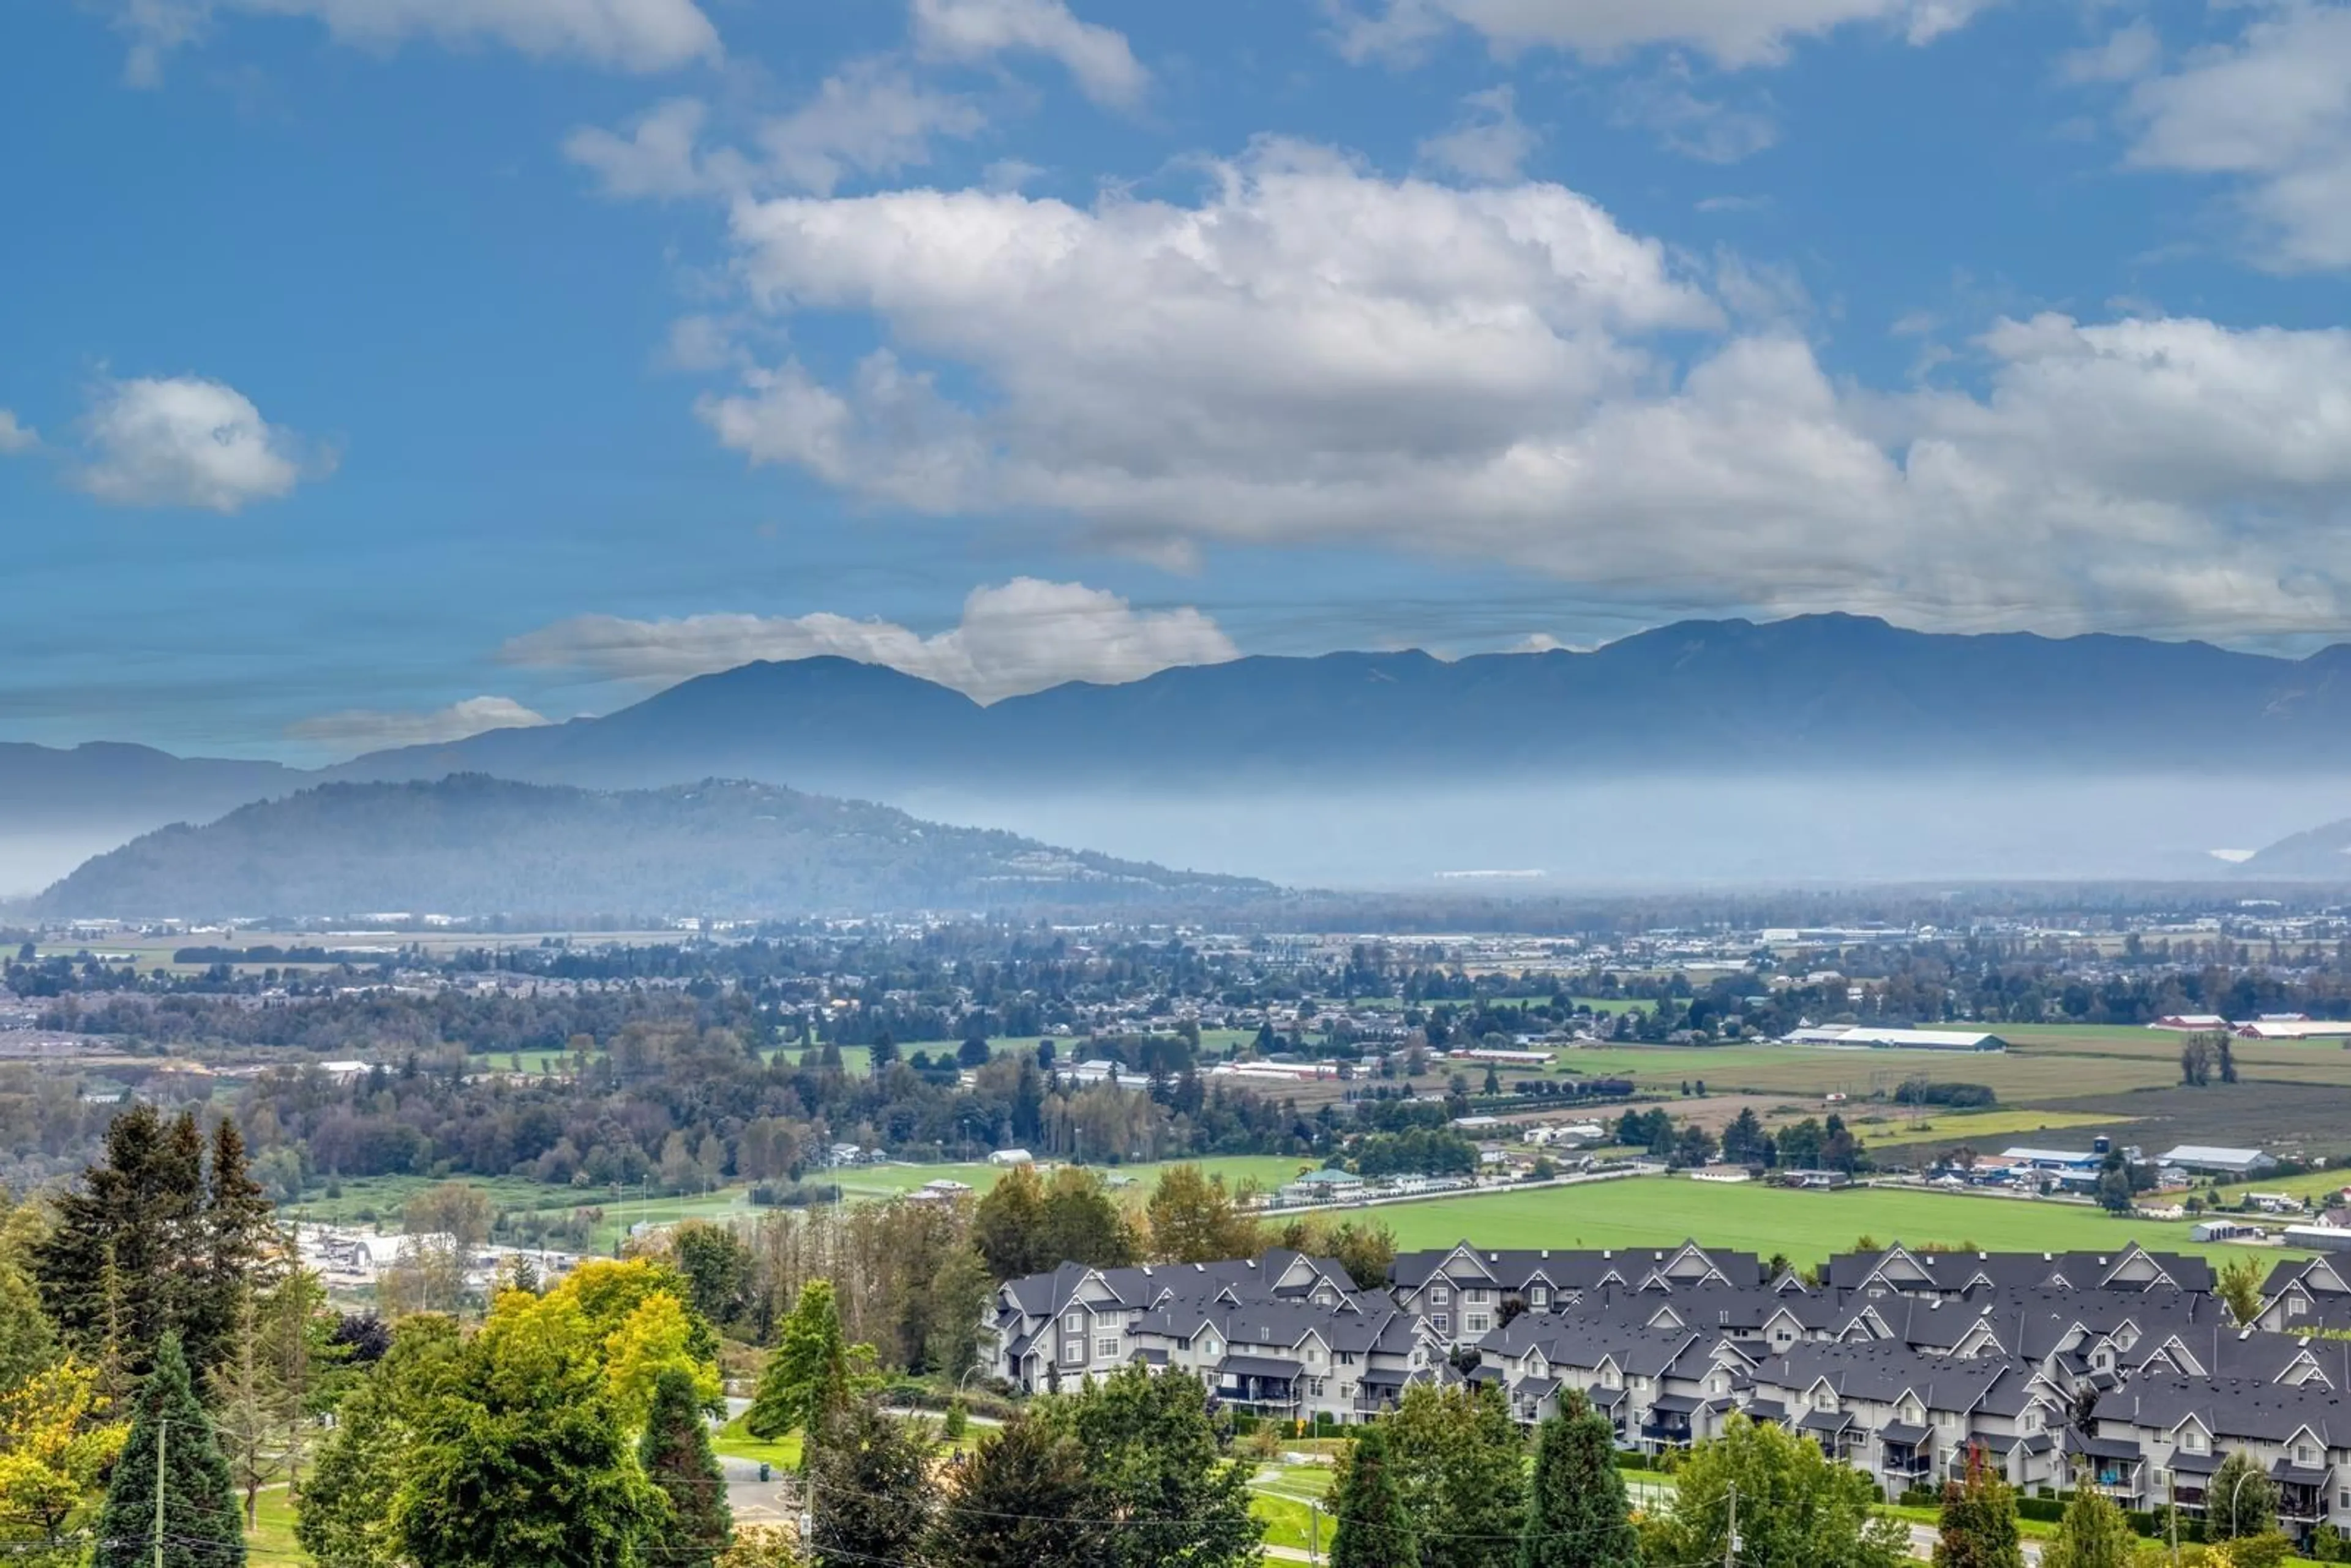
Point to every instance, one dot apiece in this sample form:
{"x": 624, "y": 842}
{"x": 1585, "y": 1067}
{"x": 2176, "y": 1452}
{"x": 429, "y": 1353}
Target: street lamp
{"x": 2243, "y": 1476}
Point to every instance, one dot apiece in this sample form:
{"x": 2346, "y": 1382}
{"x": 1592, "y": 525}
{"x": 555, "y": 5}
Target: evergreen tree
{"x": 119, "y": 1268}
{"x": 2242, "y": 1500}
{"x": 1373, "y": 1529}
{"x": 2094, "y": 1533}
{"x": 241, "y": 1248}
{"x": 170, "y": 1455}
{"x": 675, "y": 1452}
{"x": 808, "y": 1374}
{"x": 1023, "y": 1500}
{"x": 1979, "y": 1523}
{"x": 1577, "y": 1513}
{"x": 869, "y": 1478}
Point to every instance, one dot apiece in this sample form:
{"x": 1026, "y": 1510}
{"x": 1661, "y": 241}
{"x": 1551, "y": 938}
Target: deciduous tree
{"x": 2093, "y": 1533}
{"x": 1979, "y": 1526}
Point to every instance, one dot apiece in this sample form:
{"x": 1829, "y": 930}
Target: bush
{"x": 1631, "y": 1460}
{"x": 2047, "y": 1510}
{"x": 956, "y": 1422}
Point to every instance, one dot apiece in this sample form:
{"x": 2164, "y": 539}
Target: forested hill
{"x": 472, "y": 845}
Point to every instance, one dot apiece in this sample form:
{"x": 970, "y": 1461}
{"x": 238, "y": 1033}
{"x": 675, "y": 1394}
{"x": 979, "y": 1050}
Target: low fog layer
{"x": 1650, "y": 832}
{"x": 30, "y": 861}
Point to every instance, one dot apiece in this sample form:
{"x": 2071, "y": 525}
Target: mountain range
{"x": 1820, "y": 691}
{"x": 470, "y": 845}
{"x": 1821, "y": 746}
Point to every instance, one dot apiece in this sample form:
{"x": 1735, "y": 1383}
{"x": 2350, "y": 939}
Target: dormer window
{"x": 2303, "y": 1454}
{"x": 1824, "y": 1400}
{"x": 2193, "y": 1442}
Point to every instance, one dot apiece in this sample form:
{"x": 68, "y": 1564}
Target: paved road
{"x": 753, "y": 1501}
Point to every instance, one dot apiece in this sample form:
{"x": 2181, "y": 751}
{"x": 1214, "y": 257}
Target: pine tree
{"x": 808, "y": 1374}
{"x": 1979, "y": 1523}
{"x": 114, "y": 1269}
{"x": 1374, "y": 1531}
{"x": 2094, "y": 1533}
{"x": 675, "y": 1452}
{"x": 1023, "y": 1500}
{"x": 1577, "y": 1514}
{"x": 171, "y": 1454}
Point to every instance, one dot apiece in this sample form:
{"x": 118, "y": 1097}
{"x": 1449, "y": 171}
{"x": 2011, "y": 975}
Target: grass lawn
{"x": 271, "y": 1539}
{"x": 731, "y": 1441}
{"x": 1658, "y": 1211}
{"x": 1283, "y": 1498}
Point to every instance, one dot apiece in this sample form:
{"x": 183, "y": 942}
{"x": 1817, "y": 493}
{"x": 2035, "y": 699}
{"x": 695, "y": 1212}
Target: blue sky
{"x": 383, "y": 370}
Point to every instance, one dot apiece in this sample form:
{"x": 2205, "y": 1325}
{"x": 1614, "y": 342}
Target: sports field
{"x": 1657, "y": 1211}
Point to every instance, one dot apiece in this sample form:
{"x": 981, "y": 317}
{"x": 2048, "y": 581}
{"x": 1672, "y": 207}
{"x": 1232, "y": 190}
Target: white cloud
{"x": 1713, "y": 131}
{"x": 2273, "y": 113}
{"x": 2128, "y": 52}
{"x": 182, "y": 441}
{"x": 1023, "y": 636}
{"x": 1311, "y": 353}
{"x": 1729, "y": 32}
{"x": 969, "y": 31}
{"x": 366, "y": 730}
{"x": 1489, "y": 142}
{"x": 621, "y": 34}
{"x": 14, "y": 437}
{"x": 870, "y": 118}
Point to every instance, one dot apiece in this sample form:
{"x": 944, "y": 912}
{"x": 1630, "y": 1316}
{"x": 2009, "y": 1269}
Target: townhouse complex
{"x": 2119, "y": 1371}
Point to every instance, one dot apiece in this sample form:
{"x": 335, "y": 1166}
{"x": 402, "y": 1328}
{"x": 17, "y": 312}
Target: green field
{"x": 888, "y": 1181}
{"x": 1659, "y": 1211}
{"x": 1977, "y": 1128}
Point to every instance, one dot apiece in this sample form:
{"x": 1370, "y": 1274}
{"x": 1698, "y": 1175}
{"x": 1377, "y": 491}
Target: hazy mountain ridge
{"x": 2320, "y": 854}
{"x": 1825, "y": 690}
{"x": 474, "y": 845}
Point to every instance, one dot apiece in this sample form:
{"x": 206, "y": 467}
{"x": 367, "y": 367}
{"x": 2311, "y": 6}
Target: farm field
{"x": 1975, "y": 1128}
{"x": 887, "y": 1181}
{"x": 2050, "y": 1068}
{"x": 1657, "y": 1211}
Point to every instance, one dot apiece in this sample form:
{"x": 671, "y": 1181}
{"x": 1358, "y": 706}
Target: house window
{"x": 1473, "y": 1296}
{"x": 1074, "y": 1353}
{"x": 1441, "y": 1323}
{"x": 1538, "y": 1297}
{"x": 2193, "y": 1442}
{"x": 2162, "y": 1480}
{"x": 1075, "y": 1322}
{"x": 1313, "y": 1356}
{"x": 1438, "y": 1296}
{"x": 2303, "y": 1454}
{"x": 1106, "y": 1349}
{"x": 1314, "y": 1387}
{"x": 1824, "y": 1400}
{"x": 2342, "y": 1499}
{"x": 1477, "y": 1323}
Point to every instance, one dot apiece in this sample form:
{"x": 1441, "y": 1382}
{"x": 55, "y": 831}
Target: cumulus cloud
{"x": 16, "y": 437}
{"x": 969, "y": 31}
{"x": 184, "y": 441}
{"x": 368, "y": 729}
{"x": 1310, "y": 352}
{"x": 2273, "y": 114}
{"x": 1729, "y": 32}
{"x": 869, "y": 119}
{"x": 620, "y": 35}
{"x": 1489, "y": 142}
{"x": 1022, "y": 636}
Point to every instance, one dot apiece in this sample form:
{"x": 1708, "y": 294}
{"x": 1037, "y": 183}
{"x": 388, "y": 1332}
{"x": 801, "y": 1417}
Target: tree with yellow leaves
{"x": 55, "y": 1444}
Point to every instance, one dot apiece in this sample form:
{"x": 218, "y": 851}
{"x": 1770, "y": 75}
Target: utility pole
{"x": 163, "y": 1431}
